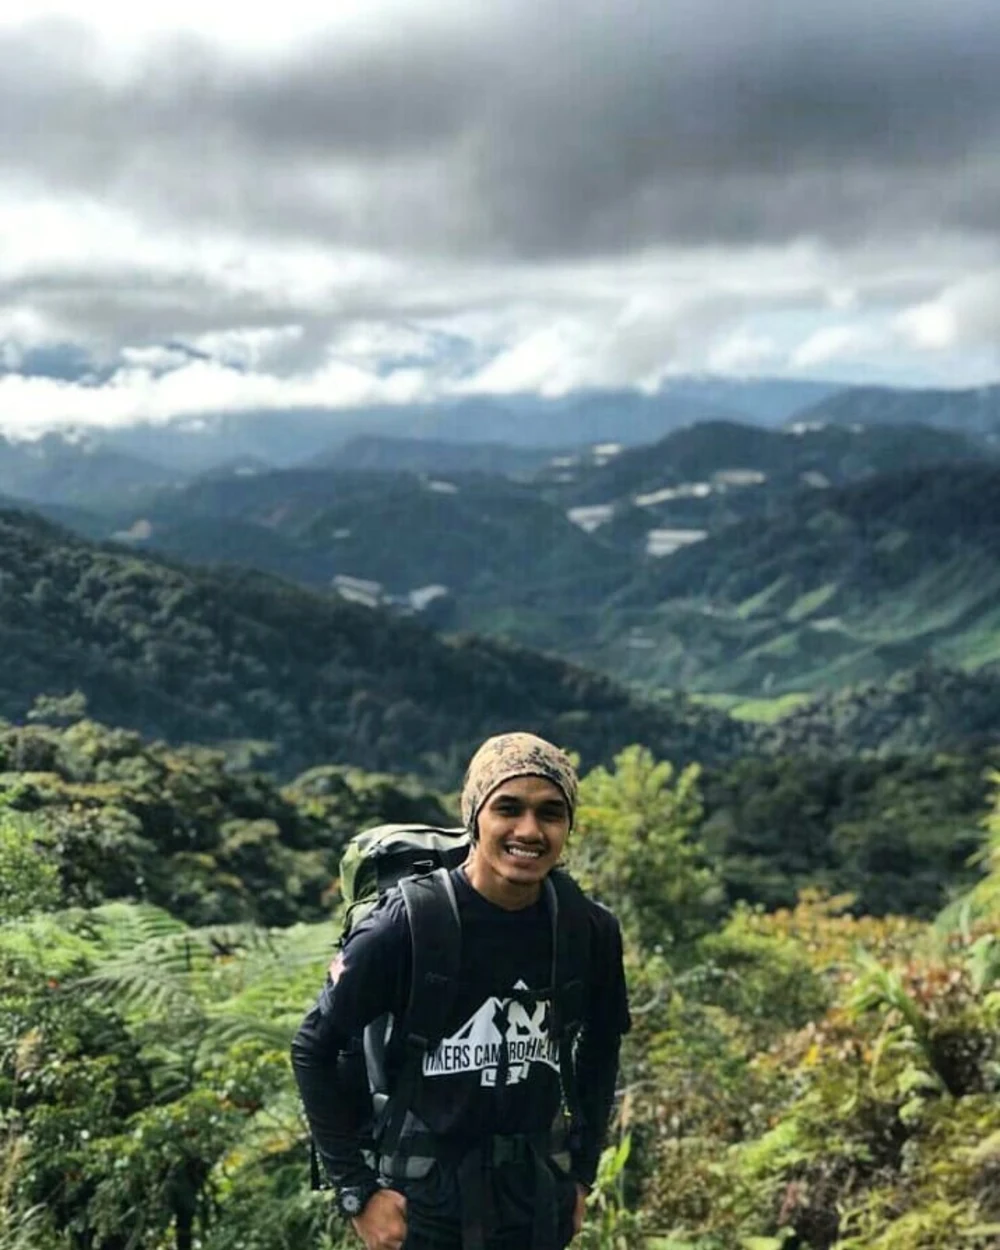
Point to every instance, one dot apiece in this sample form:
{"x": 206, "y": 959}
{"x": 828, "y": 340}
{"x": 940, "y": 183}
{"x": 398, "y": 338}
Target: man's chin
{"x": 525, "y": 872}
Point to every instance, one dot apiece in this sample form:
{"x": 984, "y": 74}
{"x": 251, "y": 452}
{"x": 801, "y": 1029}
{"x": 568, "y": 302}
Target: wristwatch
{"x": 352, "y": 1198}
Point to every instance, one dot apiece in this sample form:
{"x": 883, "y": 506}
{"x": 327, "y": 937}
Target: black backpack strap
{"x": 570, "y": 920}
{"x": 435, "y": 940}
{"x": 570, "y": 977}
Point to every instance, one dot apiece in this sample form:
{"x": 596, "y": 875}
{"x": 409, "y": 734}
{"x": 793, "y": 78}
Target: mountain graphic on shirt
{"x": 477, "y": 1045}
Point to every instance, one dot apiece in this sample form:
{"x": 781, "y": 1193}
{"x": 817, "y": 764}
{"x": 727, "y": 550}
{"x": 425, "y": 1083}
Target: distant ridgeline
{"x": 841, "y": 586}
{"x": 195, "y": 655}
{"x": 723, "y": 558}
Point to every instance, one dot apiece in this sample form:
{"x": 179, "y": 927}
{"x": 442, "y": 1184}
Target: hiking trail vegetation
{"x": 801, "y": 1075}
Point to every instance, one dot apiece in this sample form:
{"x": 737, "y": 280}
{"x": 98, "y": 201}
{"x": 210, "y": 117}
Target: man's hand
{"x": 580, "y": 1209}
{"x": 382, "y": 1224}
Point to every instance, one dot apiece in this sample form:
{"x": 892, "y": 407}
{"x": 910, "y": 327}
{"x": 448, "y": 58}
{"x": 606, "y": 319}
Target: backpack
{"x": 417, "y": 860}
{"x": 376, "y": 859}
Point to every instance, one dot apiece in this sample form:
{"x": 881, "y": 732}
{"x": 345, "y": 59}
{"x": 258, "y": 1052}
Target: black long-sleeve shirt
{"x": 502, "y": 951}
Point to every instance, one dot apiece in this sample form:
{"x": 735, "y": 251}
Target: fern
{"x": 228, "y": 1028}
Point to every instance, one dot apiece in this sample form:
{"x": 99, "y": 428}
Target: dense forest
{"x": 812, "y": 1064}
{"x": 723, "y": 558}
{"x": 229, "y": 654}
{"x": 805, "y": 855}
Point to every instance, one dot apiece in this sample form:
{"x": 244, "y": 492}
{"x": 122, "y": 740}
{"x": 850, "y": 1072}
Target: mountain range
{"x": 76, "y": 468}
{"x": 721, "y": 558}
{"x": 717, "y": 473}
{"x": 208, "y": 656}
{"x": 974, "y": 410}
{"x": 189, "y": 445}
{"x": 739, "y": 559}
{"x": 844, "y": 585}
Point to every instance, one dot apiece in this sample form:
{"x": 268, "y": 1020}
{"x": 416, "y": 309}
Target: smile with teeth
{"x": 523, "y": 852}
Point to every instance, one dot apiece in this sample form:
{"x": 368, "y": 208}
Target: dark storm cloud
{"x": 540, "y": 130}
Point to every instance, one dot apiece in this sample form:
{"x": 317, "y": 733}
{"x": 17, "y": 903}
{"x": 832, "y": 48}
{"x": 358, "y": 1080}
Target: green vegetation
{"x": 481, "y": 536}
{"x": 896, "y": 833}
{"x": 925, "y": 708}
{"x": 210, "y": 656}
{"x": 178, "y": 828}
{"x": 810, "y": 1078}
{"x": 768, "y": 711}
{"x": 835, "y": 557}
{"x": 807, "y": 1076}
{"x": 835, "y": 588}
{"x": 809, "y": 904}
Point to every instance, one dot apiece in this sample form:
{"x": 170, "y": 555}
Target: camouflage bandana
{"x": 514, "y": 755}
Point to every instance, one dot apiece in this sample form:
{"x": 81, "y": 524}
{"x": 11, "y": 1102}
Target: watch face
{"x": 350, "y": 1200}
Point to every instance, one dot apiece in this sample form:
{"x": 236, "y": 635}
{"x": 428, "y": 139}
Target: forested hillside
{"x": 724, "y": 559}
{"x": 808, "y": 1077}
{"x": 929, "y": 707}
{"x": 974, "y": 410}
{"x": 843, "y": 586}
{"x": 479, "y": 538}
{"x": 189, "y": 828}
{"x": 785, "y": 460}
{"x": 205, "y": 656}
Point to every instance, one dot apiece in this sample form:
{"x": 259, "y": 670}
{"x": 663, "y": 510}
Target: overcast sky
{"x": 363, "y": 200}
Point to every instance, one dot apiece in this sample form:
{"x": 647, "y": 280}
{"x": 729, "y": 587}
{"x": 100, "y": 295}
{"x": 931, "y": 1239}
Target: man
{"x": 488, "y": 1095}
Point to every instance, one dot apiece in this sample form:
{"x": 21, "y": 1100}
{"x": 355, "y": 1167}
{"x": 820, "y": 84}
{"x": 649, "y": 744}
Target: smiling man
{"x": 502, "y": 1125}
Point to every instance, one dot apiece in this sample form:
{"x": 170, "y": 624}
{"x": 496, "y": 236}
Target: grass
{"x": 769, "y": 711}
{"x": 753, "y": 605}
{"x": 811, "y": 602}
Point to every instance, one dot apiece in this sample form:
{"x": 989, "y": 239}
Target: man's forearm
{"x": 334, "y": 1093}
{"x": 596, "y": 1074}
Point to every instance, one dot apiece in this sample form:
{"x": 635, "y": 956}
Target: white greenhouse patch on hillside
{"x": 666, "y": 542}
{"x": 589, "y": 518}
{"x": 423, "y": 596}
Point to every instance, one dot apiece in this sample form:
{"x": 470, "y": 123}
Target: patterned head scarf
{"x": 511, "y": 755}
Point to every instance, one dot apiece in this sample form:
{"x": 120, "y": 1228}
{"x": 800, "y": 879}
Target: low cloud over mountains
{"x": 404, "y": 200}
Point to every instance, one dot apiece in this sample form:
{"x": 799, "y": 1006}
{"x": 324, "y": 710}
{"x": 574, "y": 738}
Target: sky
{"x": 212, "y": 207}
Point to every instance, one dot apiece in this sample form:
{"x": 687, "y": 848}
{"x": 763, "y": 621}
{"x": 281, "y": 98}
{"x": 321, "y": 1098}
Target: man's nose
{"x": 528, "y": 823}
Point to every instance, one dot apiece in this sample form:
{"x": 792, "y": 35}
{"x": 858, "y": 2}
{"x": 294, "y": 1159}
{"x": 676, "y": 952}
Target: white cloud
{"x": 205, "y": 325}
{"x": 140, "y": 393}
{"x": 746, "y": 351}
{"x": 928, "y": 327}
{"x": 833, "y": 344}
{"x": 255, "y": 29}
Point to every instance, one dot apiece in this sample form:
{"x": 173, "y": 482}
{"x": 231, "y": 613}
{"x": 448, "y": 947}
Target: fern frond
{"x": 43, "y": 942}
{"x": 228, "y": 1028}
{"x": 124, "y": 926}
{"x": 137, "y": 987}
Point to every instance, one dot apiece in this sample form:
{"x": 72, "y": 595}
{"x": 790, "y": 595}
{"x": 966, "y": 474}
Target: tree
{"x": 28, "y": 880}
{"x": 636, "y": 847}
{"x": 56, "y": 709}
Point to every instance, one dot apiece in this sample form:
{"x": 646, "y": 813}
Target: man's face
{"x": 523, "y": 827}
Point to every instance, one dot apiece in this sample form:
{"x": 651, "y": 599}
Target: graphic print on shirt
{"x": 477, "y": 1045}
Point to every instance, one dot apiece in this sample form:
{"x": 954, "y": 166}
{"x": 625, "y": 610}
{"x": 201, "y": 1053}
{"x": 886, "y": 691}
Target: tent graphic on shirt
{"x": 477, "y": 1045}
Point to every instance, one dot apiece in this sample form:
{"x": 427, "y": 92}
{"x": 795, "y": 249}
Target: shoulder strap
{"x": 436, "y": 944}
{"x": 435, "y": 940}
{"x": 568, "y": 913}
{"x": 571, "y": 963}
